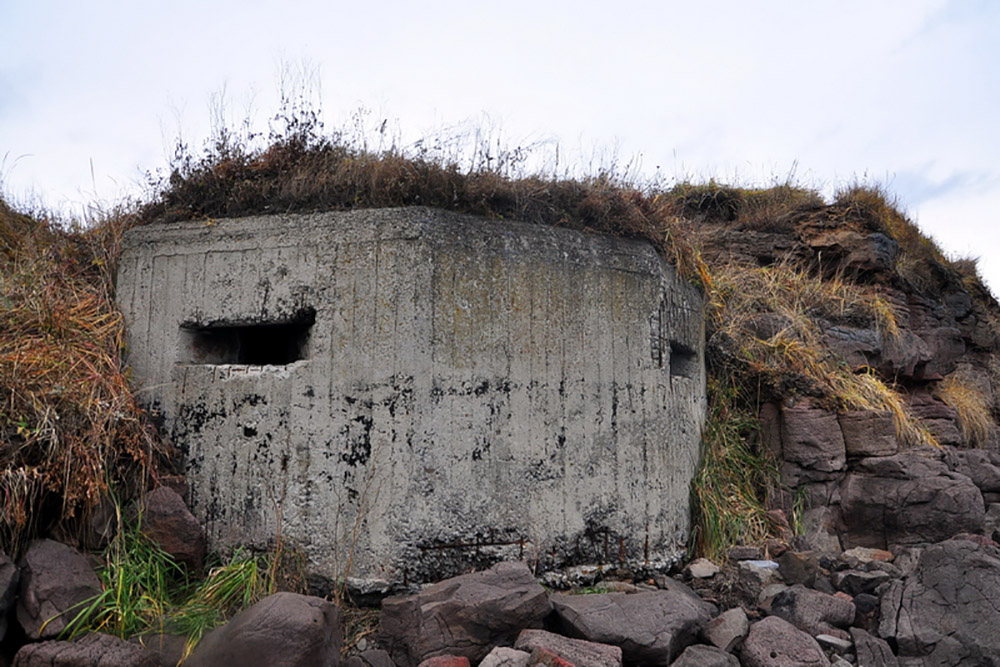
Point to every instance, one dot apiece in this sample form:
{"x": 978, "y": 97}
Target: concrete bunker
{"x": 409, "y": 393}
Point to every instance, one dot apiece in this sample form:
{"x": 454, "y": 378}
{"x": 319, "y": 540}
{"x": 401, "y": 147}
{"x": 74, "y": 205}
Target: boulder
{"x": 504, "y": 656}
{"x": 167, "y": 521}
{"x": 9, "y": 578}
{"x": 580, "y": 652}
{"x": 651, "y": 627}
{"x": 813, "y": 612}
{"x": 799, "y": 567}
{"x": 907, "y": 499}
{"x": 774, "y": 642}
{"x": 945, "y": 611}
{"x": 92, "y": 650}
{"x": 872, "y": 651}
{"x": 727, "y": 630}
{"x": 467, "y": 615}
{"x": 869, "y": 433}
{"x": 282, "y": 630}
{"x": 845, "y": 250}
{"x": 56, "y": 581}
{"x": 699, "y": 655}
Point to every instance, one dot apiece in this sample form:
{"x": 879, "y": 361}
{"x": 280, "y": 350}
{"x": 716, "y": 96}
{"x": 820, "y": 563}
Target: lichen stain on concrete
{"x": 458, "y": 391}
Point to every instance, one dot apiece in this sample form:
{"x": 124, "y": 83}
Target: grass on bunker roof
{"x": 71, "y": 428}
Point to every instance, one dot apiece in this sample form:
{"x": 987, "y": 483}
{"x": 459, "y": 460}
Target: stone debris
{"x": 466, "y": 615}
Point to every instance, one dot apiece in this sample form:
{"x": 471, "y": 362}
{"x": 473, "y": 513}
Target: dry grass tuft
{"x": 975, "y": 420}
{"x": 69, "y": 424}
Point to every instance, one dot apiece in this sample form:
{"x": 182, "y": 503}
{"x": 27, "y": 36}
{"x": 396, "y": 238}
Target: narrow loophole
{"x": 276, "y": 343}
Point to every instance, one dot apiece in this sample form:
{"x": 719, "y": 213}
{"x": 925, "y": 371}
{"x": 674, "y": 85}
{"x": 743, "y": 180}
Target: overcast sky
{"x": 905, "y": 93}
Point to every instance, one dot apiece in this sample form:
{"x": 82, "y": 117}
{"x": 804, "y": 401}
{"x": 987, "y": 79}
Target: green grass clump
{"x": 145, "y": 591}
{"x": 736, "y": 476}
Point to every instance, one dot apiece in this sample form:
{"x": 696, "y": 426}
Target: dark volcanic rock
{"x": 94, "y": 650}
{"x": 946, "y": 611}
{"x": 774, "y": 642}
{"x": 907, "y": 499}
{"x": 811, "y": 438}
{"x": 813, "y": 612}
{"x": 167, "y": 521}
{"x": 282, "y": 630}
{"x": 651, "y": 628}
{"x": 467, "y": 615}
{"x": 55, "y": 579}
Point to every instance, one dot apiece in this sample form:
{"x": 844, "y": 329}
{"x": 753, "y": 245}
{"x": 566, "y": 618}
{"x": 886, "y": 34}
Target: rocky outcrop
{"x": 907, "y": 499}
{"x": 465, "y": 615}
{"x": 945, "y": 611}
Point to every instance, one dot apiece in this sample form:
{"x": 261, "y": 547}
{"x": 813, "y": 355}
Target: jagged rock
{"x": 702, "y": 568}
{"x": 169, "y": 648}
{"x": 868, "y": 433}
{"x": 503, "y": 656}
{"x": 744, "y": 552}
{"x": 91, "y": 651}
{"x": 813, "y": 612}
{"x": 282, "y": 630}
{"x": 380, "y": 658}
{"x": 945, "y": 611}
{"x": 845, "y": 250}
{"x": 469, "y": 614}
{"x": 699, "y": 655}
{"x": 855, "y": 582}
{"x": 55, "y": 580}
{"x": 727, "y": 630}
{"x": 907, "y": 499}
{"x": 865, "y": 555}
{"x": 651, "y": 628}
{"x": 799, "y": 567}
{"x": 872, "y": 651}
{"x": 978, "y": 465}
{"x": 9, "y": 578}
{"x": 774, "y": 642}
{"x": 167, "y": 521}
{"x": 991, "y": 527}
{"x": 580, "y": 652}
{"x": 904, "y": 356}
{"x": 819, "y": 534}
{"x": 838, "y": 644}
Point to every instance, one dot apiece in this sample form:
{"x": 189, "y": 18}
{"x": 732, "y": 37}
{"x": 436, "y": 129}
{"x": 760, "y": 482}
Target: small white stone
{"x": 703, "y": 568}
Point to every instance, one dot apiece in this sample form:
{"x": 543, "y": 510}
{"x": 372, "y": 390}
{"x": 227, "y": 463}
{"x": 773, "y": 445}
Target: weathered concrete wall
{"x": 464, "y": 390}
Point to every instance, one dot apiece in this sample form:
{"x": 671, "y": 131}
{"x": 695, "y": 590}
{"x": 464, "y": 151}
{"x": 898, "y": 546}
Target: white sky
{"x": 901, "y": 92}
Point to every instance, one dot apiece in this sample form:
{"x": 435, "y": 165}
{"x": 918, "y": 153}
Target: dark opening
{"x": 255, "y": 344}
{"x": 683, "y": 360}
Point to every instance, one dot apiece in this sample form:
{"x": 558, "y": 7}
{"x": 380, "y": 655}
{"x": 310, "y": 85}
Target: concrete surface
{"x": 407, "y": 394}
